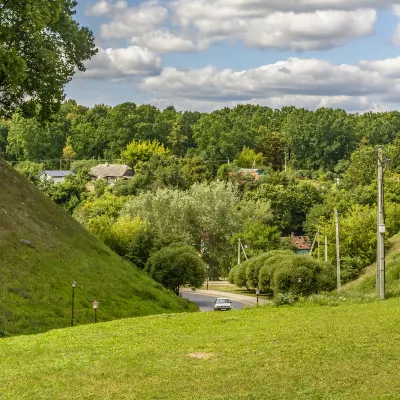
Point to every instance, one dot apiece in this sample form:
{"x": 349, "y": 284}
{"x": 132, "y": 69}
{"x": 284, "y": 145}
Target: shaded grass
{"x": 346, "y": 352}
{"x": 367, "y": 281}
{"x": 35, "y": 279}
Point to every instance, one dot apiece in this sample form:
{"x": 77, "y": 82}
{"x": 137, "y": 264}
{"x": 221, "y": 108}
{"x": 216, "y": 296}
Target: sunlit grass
{"x": 344, "y": 352}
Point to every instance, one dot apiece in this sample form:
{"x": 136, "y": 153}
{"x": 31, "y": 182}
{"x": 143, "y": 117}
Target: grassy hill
{"x": 366, "y": 282}
{"x": 311, "y": 352}
{"x": 36, "y": 275}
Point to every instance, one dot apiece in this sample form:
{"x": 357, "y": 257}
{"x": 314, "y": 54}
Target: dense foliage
{"x": 41, "y": 45}
{"x": 177, "y": 265}
{"x": 278, "y": 272}
{"x": 189, "y": 186}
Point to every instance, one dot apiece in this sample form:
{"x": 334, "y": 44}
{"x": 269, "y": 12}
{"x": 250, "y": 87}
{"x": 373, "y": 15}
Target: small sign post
{"x": 257, "y": 294}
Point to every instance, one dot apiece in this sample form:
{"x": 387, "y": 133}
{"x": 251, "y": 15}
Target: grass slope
{"x": 35, "y": 289}
{"x": 346, "y": 352}
{"x": 367, "y": 281}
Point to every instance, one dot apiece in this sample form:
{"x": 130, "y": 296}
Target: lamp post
{"x": 95, "y": 307}
{"x": 73, "y": 284}
{"x": 208, "y": 268}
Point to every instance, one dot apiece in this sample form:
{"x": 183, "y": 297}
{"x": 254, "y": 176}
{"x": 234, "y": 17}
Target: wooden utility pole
{"x": 244, "y": 251}
{"x": 381, "y": 229}
{"x": 238, "y": 251}
{"x": 339, "y": 287}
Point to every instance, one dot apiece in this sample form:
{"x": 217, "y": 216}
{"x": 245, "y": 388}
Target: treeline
{"x": 188, "y": 187}
{"x": 313, "y": 140}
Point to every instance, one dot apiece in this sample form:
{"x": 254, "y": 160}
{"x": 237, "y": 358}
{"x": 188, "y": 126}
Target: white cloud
{"x": 129, "y": 22}
{"x": 164, "y": 41}
{"x": 122, "y": 63}
{"x": 302, "y": 82}
{"x": 279, "y": 24}
{"x": 189, "y": 11}
{"x": 388, "y": 68}
{"x": 351, "y": 104}
{"x": 301, "y": 32}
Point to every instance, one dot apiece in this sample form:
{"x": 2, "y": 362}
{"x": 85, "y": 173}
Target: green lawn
{"x": 310, "y": 352}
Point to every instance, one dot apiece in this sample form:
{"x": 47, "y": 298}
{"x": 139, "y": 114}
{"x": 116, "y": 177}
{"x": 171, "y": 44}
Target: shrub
{"x": 176, "y": 265}
{"x": 282, "y": 299}
{"x": 239, "y": 278}
{"x": 300, "y": 275}
{"x": 272, "y": 258}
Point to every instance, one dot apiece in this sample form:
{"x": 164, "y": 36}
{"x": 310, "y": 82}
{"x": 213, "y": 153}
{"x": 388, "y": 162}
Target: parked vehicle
{"x": 222, "y": 304}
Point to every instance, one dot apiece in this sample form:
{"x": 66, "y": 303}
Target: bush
{"x": 351, "y": 268}
{"x": 253, "y": 270}
{"x": 282, "y": 299}
{"x": 239, "y": 278}
{"x": 271, "y": 260}
{"x": 176, "y": 265}
{"x": 300, "y": 275}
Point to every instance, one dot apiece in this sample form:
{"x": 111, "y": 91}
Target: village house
{"x": 301, "y": 243}
{"x": 55, "y": 176}
{"x": 111, "y": 173}
{"x": 255, "y": 173}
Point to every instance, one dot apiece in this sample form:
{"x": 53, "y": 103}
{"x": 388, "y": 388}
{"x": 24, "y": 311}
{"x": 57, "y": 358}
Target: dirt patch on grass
{"x": 201, "y": 356}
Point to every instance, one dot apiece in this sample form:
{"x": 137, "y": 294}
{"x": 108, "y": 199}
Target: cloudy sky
{"x": 208, "y": 54}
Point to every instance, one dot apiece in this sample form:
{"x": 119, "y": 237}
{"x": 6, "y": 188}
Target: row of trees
{"x": 279, "y": 272}
{"x": 312, "y": 140}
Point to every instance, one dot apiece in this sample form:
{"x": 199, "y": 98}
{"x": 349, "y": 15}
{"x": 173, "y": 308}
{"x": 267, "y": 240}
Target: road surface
{"x": 206, "y": 302}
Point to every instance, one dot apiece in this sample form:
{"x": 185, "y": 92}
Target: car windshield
{"x": 222, "y": 301}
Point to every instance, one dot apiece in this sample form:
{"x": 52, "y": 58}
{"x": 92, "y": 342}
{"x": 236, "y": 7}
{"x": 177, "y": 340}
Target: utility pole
{"x": 381, "y": 228}
{"x": 244, "y": 252}
{"x": 337, "y": 251}
{"x": 326, "y": 248}
{"x": 239, "y": 251}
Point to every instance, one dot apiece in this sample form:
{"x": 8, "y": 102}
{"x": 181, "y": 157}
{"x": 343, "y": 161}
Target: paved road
{"x": 206, "y": 302}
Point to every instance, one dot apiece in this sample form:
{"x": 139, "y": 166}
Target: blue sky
{"x": 208, "y": 54}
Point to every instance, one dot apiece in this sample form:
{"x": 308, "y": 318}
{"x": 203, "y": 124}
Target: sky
{"x": 208, "y": 54}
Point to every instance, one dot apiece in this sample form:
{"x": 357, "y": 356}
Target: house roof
{"x": 301, "y": 242}
{"x": 110, "y": 170}
{"x": 57, "y": 174}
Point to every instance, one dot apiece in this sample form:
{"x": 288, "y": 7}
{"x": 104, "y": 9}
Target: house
{"x": 55, "y": 176}
{"x": 111, "y": 173}
{"x": 301, "y": 243}
{"x": 255, "y": 173}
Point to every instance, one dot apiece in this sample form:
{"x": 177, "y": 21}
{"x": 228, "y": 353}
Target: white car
{"x": 222, "y": 304}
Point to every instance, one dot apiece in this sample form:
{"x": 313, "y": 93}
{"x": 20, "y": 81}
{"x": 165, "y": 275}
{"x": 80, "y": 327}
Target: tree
{"x": 319, "y": 139}
{"x": 177, "y": 265}
{"x": 142, "y": 151}
{"x": 4, "y": 128}
{"x": 30, "y": 170}
{"x": 272, "y": 146}
{"x": 41, "y": 45}
{"x": 30, "y": 140}
{"x": 248, "y": 158}
{"x": 68, "y": 151}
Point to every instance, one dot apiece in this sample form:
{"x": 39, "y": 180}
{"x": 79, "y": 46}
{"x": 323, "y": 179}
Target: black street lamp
{"x": 95, "y": 307}
{"x": 208, "y": 269}
{"x": 73, "y": 284}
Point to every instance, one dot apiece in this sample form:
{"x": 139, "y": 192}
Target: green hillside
{"x": 36, "y": 275}
{"x": 366, "y": 282}
{"x": 314, "y": 352}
